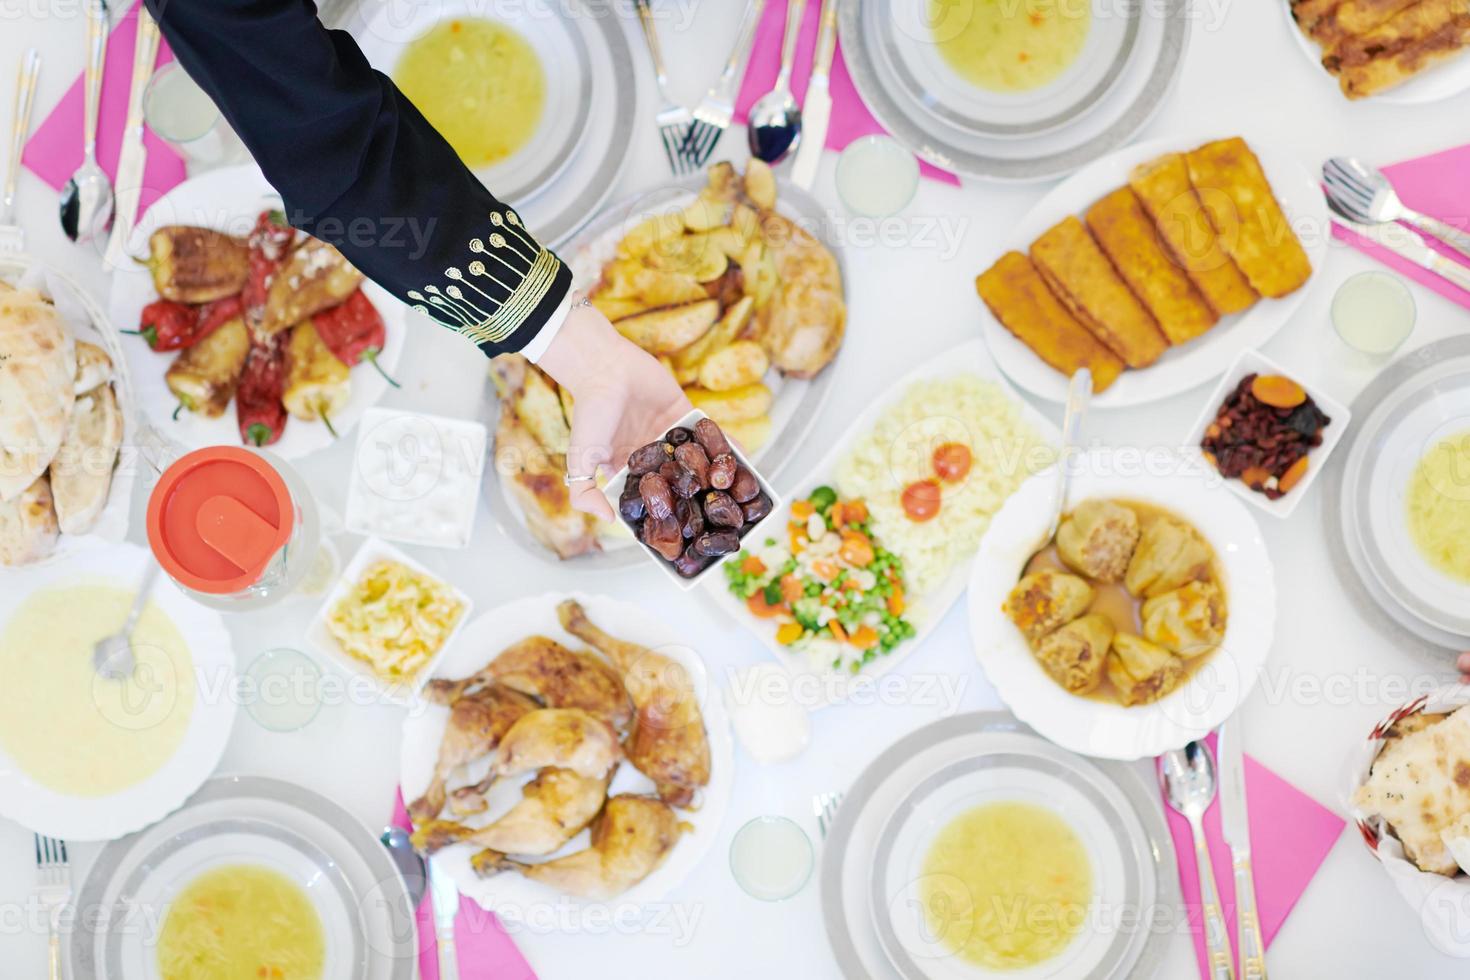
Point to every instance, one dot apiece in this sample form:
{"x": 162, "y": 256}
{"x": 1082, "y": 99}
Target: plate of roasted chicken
{"x": 729, "y": 280}
{"x": 568, "y": 746}
{"x": 1142, "y": 624}
{"x": 246, "y": 331}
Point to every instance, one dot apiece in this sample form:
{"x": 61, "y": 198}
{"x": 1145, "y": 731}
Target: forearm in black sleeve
{"x": 358, "y": 166}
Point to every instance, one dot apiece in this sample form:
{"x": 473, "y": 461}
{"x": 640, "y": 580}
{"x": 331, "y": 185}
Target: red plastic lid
{"x": 217, "y": 517}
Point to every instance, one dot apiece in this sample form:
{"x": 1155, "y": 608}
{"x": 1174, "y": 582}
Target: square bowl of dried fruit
{"x": 690, "y": 497}
{"x": 1268, "y": 434}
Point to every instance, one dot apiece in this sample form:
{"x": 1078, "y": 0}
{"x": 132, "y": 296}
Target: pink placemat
{"x": 1438, "y": 185}
{"x": 850, "y": 118}
{"x": 55, "y": 151}
{"x": 485, "y": 951}
{"x": 1290, "y": 836}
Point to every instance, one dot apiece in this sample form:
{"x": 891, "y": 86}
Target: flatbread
{"x": 81, "y": 473}
{"x": 93, "y": 367}
{"x": 37, "y": 378}
{"x": 1420, "y": 785}
{"x": 28, "y": 528}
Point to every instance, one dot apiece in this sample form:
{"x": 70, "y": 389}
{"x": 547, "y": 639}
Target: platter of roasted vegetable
{"x": 245, "y": 330}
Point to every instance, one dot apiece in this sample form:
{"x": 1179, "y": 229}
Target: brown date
{"x": 663, "y": 535}
{"x": 630, "y": 504}
{"x": 756, "y": 509}
{"x": 657, "y": 496}
{"x": 722, "y": 471}
{"x": 669, "y": 470}
{"x": 721, "y": 510}
{"x": 713, "y": 544}
{"x": 649, "y": 458}
{"x": 691, "y": 518}
{"x": 685, "y": 484}
{"x": 677, "y": 436}
{"x": 711, "y": 438}
{"x": 693, "y": 459}
{"x": 690, "y": 563}
{"x": 746, "y": 486}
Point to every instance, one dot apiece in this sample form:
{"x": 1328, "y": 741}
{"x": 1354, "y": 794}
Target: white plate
{"x": 55, "y": 814}
{"x": 229, "y": 200}
{"x": 1254, "y": 362}
{"x": 509, "y": 895}
{"x": 925, "y": 610}
{"x": 1190, "y": 488}
{"x": 916, "y": 784}
{"x": 1446, "y": 79}
{"x": 346, "y": 874}
{"x": 1202, "y": 359}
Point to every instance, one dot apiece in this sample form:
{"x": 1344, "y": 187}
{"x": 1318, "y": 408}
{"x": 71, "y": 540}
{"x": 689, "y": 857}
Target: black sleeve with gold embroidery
{"x": 358, "y": 166}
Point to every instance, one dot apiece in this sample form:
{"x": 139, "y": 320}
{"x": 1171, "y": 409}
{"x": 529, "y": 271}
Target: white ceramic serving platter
{"x": 1189, "y": 487}
{"x": 924, "y": 610}
{"x": 46, "y": 811}
{"x": 1254, "y": 362}
{"x": 229, "y": 200}
{"x": 1445, "y": 80}
{"x": 509, "y": 895}
{"x": 348, "y": 877}
{"x": 1201, "y": 360}
{"x": 795, "y": 403}
{"x": 889, "y": 817}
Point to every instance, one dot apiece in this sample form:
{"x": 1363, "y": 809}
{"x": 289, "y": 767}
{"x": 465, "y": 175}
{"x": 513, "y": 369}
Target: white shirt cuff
{"x": 533, "y": 351}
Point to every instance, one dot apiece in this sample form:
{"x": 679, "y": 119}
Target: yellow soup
{"x": 71, "y": 730}
{"x": 479, "y": 83}
{"x": 1010, "y": 45}
{"x": 241, "y": 922}
{"x": 1006, "y": 885}
{"x": 1439, "y": 506}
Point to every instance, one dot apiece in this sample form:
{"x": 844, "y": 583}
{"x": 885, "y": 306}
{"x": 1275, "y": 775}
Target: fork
{"x": 715, "y": 111}
{"x": 673, "y": 119}
{"x": 12, "y": 238}
{"x": 1365, "y": 194}
{"x": 824, "y": 805}
{"x": 53, "y": 875}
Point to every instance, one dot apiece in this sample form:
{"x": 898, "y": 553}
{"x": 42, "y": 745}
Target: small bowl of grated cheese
{"x": 388, "y": 620}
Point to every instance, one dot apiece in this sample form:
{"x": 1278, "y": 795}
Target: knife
{"x": 1407, "y": 243}
{"x": 446, "y": 906}
{"x": 1235, "y": 827}
{"x": 816, "y": 111}
{"x": 134, "y": 154}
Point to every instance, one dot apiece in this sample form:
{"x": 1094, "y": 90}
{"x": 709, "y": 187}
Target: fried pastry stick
{"x": 1399, "y": 48}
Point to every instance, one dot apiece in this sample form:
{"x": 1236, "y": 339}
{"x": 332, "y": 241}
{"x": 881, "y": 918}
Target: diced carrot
{"x": 895, "y": 601}
{"x": 864, "y": 637}
{"x": 803, "y": 509}
{"x": 856, "y": 549}
{"x": 838, "y": 633}
{"x": 791, "y": 589}
{"x": 788, "y": 633}
{"x": 758, "y": 605}
{"x": 855, "y": 511}
{"x": 752, "y": 565}
{"x": 837, "y": 514}
{"x": 825, "y": 570}
{"x": 852, "y": 585}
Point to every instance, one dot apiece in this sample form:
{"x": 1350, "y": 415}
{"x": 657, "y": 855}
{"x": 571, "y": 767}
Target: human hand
{"x": 1463, "y": 665}
{"x": 623, "y": 397}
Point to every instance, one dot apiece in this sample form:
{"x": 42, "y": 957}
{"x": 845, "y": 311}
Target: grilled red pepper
{"x": 353, "y": 331}
{"x": 167, "y": 325}
{"x": 270, "y": 240}
{"x": 214, "y": 315}
{"x": 258, "y": 408}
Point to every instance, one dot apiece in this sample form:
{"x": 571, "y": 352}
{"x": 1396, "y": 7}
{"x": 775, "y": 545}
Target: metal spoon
{"x": 409, "y": 862}
{"x": 86, "y": 201}
{"x": 1364, "y": 194}
{"x": 775, "y": 119}
{"x": 112, "y": 657}
{"x": 1188, "y": 778}
{"x": 1079, "y": 397}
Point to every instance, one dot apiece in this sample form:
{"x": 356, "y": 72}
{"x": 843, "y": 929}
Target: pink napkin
{"x": 850, "y": 118}
{"x": 1438, "y": 186}
{"x": 1290, "y": 836}
{"x": 485, "y": 951}
{"x": 55, "y": 151}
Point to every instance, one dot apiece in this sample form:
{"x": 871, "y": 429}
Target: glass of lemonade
{"x": 1373, "y": 312}
{"x": 771, "y": 858}
{"x": 876, "y": 176}
{"x": 183, "y": 115}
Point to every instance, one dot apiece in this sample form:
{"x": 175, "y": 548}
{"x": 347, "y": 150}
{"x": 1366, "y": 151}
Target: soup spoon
{"x": 112, "y": 657}
{"x": 1079, "y": 397}
{"x": 1188, "y": 776}
{"x": 775, "y": 119}
{"x": 86, "y": 201}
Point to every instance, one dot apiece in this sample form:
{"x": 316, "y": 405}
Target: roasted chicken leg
{"x": 555, "y": 806}
{"x": 544, "y": 669}
{"x": 568, "y": 738}
{"x": 476, "y": 725}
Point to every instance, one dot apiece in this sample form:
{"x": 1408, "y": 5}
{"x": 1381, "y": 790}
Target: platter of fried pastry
{"x": 730, "y": 281}
{"x": 568, "y": 746}
{"x": 1401, "y": 51}
{"x": 1154, "y": 267}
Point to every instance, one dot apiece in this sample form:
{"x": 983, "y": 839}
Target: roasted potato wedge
{"x": 642, "y": 237}
{"x": 671, "y": 329}
{"x": 707, "y": 213}
{"x": 760, "y": 184}
{"x": 315, "y": 277}
{"x": 752, "y": 434}
{"x": 197, "y": 265}
{"x": 742, "y": 363}
{"x": 730, "y": 326}
{"x": 761, "y": 280}
{"x": 736, "y": 405}
{"x": 204, "y": 376}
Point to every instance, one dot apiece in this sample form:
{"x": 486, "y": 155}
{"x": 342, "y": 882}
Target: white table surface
{"x": 1330, "y": 675}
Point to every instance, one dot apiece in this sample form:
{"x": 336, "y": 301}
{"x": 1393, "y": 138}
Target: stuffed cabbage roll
{"x": 1076, "y": 654}
{"x": 1142, "y": 671}
{"x": 1042, "y": 601}
{"x": 1190, "y": 620}
{"x": 1098, "y": 538}
{"x": 1170, "y": 553}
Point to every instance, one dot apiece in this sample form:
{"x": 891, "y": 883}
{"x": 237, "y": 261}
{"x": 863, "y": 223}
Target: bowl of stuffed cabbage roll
{"x": 1141, "y": 624}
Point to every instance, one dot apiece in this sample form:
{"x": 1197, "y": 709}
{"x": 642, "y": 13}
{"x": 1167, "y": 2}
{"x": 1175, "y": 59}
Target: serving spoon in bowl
{"x": 1079, "y": 397}
{"x": 112, "y": 657}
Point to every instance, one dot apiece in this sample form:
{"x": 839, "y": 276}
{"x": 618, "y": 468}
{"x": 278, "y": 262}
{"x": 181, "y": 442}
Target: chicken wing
{"x": 630, "y": 839}
{"x": 554, "y": 808}
{"x": 546, "y": 670}
{"x": 475, "y": 728}
{"x": 568, "y": 738}
{"x": 534, "y": 476}
{"x": 668, "y": 743}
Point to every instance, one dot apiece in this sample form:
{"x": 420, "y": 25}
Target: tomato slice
{"x": 952, "y": 461}
{"x": 921, "y": 500}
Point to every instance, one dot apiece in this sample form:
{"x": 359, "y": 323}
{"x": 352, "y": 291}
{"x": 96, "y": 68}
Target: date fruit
{"x": 691, "y": 518}
{"x": 713, "y": 544}
{"x": 649, "y": 458}
{"x": 663, "y": 535}
{"x": 630, "y": 504}
{"x": 692, "y": 458}
{"x": 677, "y": 436}
{"x": 721, "y": 510}
{"x": 690, "y": 563}
{"x": 657, "y": 496}
{"x": 756, "y": 510}
{"x": 711, "y": 438}
{"x": 722, "y": 471}
{"x": 745, "y": 487}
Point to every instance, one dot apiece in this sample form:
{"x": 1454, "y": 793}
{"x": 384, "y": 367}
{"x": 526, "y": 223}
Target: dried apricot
{"x": 1255, "y": 477}
{"x": 1278, "y": 391}
{"x": 1293, "y": 475}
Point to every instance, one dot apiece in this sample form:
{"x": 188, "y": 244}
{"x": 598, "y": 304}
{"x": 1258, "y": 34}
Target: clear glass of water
{"x": 1374, "y": 312}
{"x": 281, "y": 690}
{"x": 876, "y": 176}
{"x": 771, "y": 858}
{"x": 184, "y": 116}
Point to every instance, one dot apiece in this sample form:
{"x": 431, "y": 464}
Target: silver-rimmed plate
{"x": 965, "y": 760}
{"x": 1416, "y": 401}
{"x": 1116, "y": 85}
{"x": 795, "y": 404}
{"x": 348, "y": 877}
